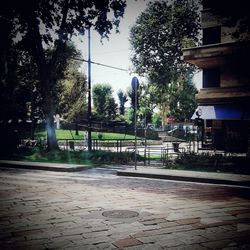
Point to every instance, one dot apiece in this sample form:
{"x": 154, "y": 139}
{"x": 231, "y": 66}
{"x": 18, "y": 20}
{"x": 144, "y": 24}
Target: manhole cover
{"x": 120, "y": 214}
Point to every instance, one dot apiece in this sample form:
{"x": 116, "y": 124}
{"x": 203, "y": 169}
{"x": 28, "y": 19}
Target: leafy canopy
{"x": 39, "y": 24}
{"x": 104, "y": 102}
{"x": 159, "y": 35}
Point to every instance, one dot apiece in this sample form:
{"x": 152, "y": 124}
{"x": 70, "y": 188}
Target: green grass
{"x": 70, "y": 134}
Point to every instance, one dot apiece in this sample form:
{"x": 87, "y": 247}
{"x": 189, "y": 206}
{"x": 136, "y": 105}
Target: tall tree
{"x": 104, "y": 102}
{"x": 131, "y": 94}
{"x": 147, "y": 103}
{"x": 182, "y": 102}
{"x": 39, "y": 24}
{"x": 110, "y": 107}
{"x": 123, "y": 98}
{"x": 157, "y": 39}
{"x": 72, "y": 95}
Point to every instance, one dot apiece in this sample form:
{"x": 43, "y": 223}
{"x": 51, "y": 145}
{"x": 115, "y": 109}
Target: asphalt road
{"x": 95, "y": 209}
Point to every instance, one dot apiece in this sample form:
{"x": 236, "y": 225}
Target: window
{"x": 211, "y": 35}
{"x": 211, "y": 78}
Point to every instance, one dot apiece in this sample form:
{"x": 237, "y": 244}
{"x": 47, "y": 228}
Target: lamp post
{"x": 199, "y": 125}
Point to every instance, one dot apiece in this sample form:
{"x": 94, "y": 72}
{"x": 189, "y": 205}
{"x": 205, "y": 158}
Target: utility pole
{"x": 135, "y": 113}
{"x": 89, "y": 95}
{"x": 135, "y": 85}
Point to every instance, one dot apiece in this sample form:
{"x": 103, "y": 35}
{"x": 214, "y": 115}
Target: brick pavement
{"x": 47, "y": 210}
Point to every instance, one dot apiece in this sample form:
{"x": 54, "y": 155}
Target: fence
{"x": 155, "y": 153}
{"x": 117, "y": 145}
{"x": 150, "y": 152}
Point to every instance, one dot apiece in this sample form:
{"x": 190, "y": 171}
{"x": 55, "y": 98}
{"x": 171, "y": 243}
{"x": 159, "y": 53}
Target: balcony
{"x": 222, "y": 95}
{"x": 216, "y": 55}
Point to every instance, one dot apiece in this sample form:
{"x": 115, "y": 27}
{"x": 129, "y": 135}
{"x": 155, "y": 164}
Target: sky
{"x": 115, "y": 51}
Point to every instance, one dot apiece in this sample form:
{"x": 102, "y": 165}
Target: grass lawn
{"x": 70, "y": 134}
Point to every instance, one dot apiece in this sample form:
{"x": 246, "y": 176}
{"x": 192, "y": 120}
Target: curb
{"x": 184, "y": 178}
{"x": 56, "y": 167}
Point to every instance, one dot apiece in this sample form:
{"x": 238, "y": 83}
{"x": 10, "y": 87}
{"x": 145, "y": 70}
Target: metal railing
{"x": 153, "y": 153}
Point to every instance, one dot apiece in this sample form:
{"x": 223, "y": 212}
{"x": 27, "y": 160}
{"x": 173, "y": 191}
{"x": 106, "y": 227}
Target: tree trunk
{"x": 51, "y": 135}
{"x": 48, "y": 109}
{"x": 45, "y": 79}
{"x": 164, "y": 109}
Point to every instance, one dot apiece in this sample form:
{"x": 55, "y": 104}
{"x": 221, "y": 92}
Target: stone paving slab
{"x": 183, "y": 175}
{"x": 62, "y": 213}
{"x": 58, "y": 167}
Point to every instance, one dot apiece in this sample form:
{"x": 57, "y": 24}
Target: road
{"x": 95, "y": 209}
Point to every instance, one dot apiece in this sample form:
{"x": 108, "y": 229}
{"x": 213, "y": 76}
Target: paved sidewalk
{"x": 58, "y": 167}
{"x": 182, "y": 175}
{"x": 142, "y": 171}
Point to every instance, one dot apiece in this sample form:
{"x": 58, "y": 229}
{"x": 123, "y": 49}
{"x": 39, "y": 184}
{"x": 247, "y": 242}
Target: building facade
{"x": 224, "y": 99}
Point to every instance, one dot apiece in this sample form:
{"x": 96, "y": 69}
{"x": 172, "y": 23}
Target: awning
{"x": 222, "y": 112}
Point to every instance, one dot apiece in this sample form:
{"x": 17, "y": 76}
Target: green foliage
{"x": 122, "y": 100}
{"x": 18, "y": 84}
{"x": 52, "y": 24}
{"x": 156, "y": 120}
{"x": 128, "y": 116}
{"x": 182, "y": 100}
{"x": 72, "y": 93}
{"x": 110, "y": 107}
{"x": 104, "y": 102}
{"x": 212, "y": 163}
{"x": 158, "y": 36}
{"x": 157, "y": 39}
{"x": 131, "y": 95}
{"x": 147, "y": 103}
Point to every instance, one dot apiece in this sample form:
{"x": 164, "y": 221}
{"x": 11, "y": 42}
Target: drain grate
{"x": 120, "y": 214}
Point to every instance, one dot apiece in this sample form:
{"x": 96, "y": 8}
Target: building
{"x": 224, "y": 99}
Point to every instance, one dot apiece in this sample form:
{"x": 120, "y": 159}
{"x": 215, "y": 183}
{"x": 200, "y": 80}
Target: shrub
{"x": 214, "y": 163}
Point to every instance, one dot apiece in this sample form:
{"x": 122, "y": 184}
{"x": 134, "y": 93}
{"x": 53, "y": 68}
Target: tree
{"x": 72, "y": 94}
{"x": 157, "y": 39}
{"x": 131, "y": 95}
{"x": 19, "y": 98}
{"x": 182, "y": 102}
{"x": 147, "y": 103}
{"x": 104, "y": 102}
{"x": 156, "y": 120}
{"x": 39, "y": 24}
{"x": 110, "y": 108}
{"x": 123, "y": 98}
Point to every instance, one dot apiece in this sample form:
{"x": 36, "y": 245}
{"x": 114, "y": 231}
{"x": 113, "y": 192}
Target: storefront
{"x": 224, "y": 127}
